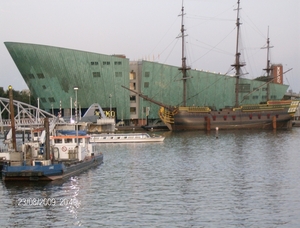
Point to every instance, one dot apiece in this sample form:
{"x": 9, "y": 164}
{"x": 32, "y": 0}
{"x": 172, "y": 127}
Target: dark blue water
{"x": 192, "y": 179}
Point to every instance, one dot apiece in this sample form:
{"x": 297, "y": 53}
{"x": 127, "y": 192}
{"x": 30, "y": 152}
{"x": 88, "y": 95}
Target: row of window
{"x": 107, "y": 63}
{"x": 67, "y": 140}
{"x": 95, "y": 75}
{"x": 132, "y": 74}
{"x": 243, "y": 88}
{"x": 246, "y": 88}
{"x": 262, "y": 89}
{"x": 133, "y": 98}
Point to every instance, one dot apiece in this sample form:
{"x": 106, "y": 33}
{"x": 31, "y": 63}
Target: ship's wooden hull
{"x": 253, "y": 117}
{"x": 230, "y": 120}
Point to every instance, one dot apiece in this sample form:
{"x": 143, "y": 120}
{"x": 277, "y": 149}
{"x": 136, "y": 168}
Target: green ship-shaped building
{"x": 51, "y": 73}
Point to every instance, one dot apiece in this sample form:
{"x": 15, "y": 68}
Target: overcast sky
{"x": 147, "y": 29}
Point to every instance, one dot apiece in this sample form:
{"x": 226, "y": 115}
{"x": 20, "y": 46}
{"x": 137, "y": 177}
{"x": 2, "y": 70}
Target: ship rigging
{"x": 273, "y": 114}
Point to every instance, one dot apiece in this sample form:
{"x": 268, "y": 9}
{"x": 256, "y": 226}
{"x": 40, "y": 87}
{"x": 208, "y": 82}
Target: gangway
{"x": 26, "y": 115}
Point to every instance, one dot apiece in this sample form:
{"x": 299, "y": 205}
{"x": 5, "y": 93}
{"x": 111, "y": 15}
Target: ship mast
{"x": 183, "y": 67}
{"x": 237, "y": 65}
{"x": 268, "y": 69}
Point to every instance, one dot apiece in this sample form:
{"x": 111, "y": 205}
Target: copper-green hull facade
{"x": 51, "y": 74}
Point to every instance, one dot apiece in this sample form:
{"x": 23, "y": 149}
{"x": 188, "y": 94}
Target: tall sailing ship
{"x": 276, "y": 114}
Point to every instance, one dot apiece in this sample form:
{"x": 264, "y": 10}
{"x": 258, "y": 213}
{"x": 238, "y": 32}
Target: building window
{"x": 118, "y": 74}
{"x": 146, "y": 84}
{"x": 273, "y": 97}
{"x": 44, "y": 87}
{"x": 51, "y": 99}
{"x": 255, "y": 97}
{"x": 132, "y": 110}
{"x": 106, "y": 63}
{"x": 132, "y": 85}
{"x": 96, "y": 74}
{"x": 132, "y": 99}
{"x": 43, "y": 99}
{"x": 255, "y": 89}
{"x": 132, "y": 75}
{"x": 264, "y": 89}
{"x": 244, "y": 88}
{"x": 118, "y": 63}
{"x": 246, "y": 97}
{"x": 147, "y": 74}
{"x": 264, "y": 97}
{"x": 40, "y": 75}
{"x": 31, "y": 76}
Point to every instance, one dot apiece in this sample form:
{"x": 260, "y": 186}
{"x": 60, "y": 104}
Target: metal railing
{"x": 25, "y": 115}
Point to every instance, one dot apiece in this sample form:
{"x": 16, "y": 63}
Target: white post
{"x": 71, "y": 109}
{"x": 76, "y": 118}
{"x": 79, "y": 111}
{"x": 38, "y": 111}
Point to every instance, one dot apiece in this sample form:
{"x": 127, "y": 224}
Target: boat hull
{"x": 230, "y": 119}
{"x": 130, "y": 141}
{"x": 125, "y": 138}
{"x": 49, "y": 172}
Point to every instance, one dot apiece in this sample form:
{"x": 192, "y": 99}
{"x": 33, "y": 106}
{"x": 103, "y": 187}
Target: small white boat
{"x": 125, "y": 138}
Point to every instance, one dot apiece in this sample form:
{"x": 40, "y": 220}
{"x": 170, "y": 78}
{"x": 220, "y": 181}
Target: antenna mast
{"x": 183, "y": 68}
{"x": 268, "y": 69}
{"x": 237, "y": 65}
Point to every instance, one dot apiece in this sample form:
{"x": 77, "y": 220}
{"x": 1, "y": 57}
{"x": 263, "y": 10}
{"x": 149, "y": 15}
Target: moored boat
{"x": 125, "y": 138}
{"x": 67, "y": 158}
{"x": 42, "y": 160}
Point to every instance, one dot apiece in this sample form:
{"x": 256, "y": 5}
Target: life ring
{"x": 64, "y": 149}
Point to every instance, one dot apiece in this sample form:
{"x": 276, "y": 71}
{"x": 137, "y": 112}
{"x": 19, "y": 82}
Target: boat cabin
{"x": 70, "y": 147}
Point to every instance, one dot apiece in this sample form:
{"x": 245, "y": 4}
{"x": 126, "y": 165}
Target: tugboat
{"x": 48, "y": 158}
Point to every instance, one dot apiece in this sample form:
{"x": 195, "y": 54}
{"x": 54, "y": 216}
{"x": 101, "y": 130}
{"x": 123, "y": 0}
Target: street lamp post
{"x": 76, "y": 118}
{"x": 110, "y": 96}
{"x": 71, "y": 118}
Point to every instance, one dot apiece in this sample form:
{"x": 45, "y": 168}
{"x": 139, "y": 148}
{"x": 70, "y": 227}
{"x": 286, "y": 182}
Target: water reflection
{"x": 39, "y": 202}
{"x": 192, "y": 179}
